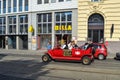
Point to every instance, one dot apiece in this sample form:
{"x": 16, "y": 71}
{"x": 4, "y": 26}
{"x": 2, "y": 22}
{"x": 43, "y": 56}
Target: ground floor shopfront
{"x": 14, "y": 42}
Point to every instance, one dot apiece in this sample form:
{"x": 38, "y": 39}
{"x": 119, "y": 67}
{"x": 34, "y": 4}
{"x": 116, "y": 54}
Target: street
{"x": 32, "y": 68}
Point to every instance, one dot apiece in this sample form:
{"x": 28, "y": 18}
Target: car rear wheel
{"x": 101, "y": 57}
{"x": 86, "y": 60}
{"x": 46, "y": 58}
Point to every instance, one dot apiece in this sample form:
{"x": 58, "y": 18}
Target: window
{"x": 23, "y": 24}
{"x": 26, "y": 5}
{"x": 68, "y": 0}
{"x": 9, "y": 6}
{"x": 39, "y": 1}
{"x": 0, "y": 7}
{"x": 45, "y": 23}
{"x": 20, "y": 5}
{"x": 4, "y": 6}
{"x": 95, "y": 0}
{"x": 14, "y": 5}
{"x": 60, "y": 0}
{"x": 53, "y": 1}
{"x": 63, "y": 19}
{"x": 46, "y": 1}
{"x": 12, "y": 24}
{"x": 2, "y": 25}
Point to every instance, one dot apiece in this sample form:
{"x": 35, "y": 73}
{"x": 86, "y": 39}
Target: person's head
{"x": 72, "y": 42}
{"x": 49, "y": 42}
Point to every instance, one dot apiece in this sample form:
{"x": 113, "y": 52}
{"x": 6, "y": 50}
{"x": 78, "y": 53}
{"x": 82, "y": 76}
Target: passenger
{"x": 65, "y": 46}
{"x": 70, "y": 45}
{"x": 74, "y": 44}
{"x": 86, "y": 46}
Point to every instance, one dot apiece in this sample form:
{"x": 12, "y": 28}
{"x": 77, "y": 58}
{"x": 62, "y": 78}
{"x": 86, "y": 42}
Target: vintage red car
{"x": 75, "y": 54}
{"x": 99, "y": 50}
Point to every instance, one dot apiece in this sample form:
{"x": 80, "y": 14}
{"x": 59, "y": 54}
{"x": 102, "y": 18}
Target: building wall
{"x": 33, "y": 8}
{"x": 110, "y": 10}
{"x": 52, "y": 6}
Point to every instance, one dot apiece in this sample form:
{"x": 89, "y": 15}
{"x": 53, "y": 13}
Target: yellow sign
{"x": 63, "y": 27}
{"x": 31, "y": 28}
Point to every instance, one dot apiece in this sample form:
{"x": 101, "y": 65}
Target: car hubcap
{"x": 86, "y": 61}
{"x": 101, "y": 57}
{"x": 45, "y": 58}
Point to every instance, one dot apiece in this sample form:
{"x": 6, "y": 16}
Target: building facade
{"x": 31, "y": 24}
{"x": 99, "y": 20}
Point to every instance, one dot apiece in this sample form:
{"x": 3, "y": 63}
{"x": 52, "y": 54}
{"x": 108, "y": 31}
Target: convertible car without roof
{"x": 75, "y": 54}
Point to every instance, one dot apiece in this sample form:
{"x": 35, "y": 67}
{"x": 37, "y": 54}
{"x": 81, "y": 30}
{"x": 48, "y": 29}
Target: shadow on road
{"x": 4, "y": 77}
{"x": 22, "y": 70}
{"x": 2, "y": 56}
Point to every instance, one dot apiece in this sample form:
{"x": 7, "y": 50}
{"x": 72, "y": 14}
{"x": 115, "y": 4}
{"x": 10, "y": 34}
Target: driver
{"x": 72, "y": 44}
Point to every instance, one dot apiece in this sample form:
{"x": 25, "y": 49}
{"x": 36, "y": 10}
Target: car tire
{"x": 86, "y": 60}
{"x": 46, "y": 58}
{"x": 117, "y": 56}
{"x": 101, "y": 57}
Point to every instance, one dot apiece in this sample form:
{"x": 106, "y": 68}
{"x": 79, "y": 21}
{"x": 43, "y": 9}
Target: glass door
{"x": 96, "y": 35}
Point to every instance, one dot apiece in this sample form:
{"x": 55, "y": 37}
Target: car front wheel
{"x": 46, "y": 58}
{"x": 101, "y": 57}
{"x": 86, "y": 60}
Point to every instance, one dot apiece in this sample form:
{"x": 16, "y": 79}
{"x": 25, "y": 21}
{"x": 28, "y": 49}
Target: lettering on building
{"x": 63, "y": 27}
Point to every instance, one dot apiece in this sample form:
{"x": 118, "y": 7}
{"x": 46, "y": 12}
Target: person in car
{"x": 65, "y": 46}
{"x": 72, "y": 44}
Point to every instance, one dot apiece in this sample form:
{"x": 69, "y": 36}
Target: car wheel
{"x": 101, "y": 57}
{"x": 46, "y": 58}
{"x": 86, "y": 60}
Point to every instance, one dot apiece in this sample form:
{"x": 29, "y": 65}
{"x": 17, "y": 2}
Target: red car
{"x": 76, "y": 54}
{"x": 99, "y": 50}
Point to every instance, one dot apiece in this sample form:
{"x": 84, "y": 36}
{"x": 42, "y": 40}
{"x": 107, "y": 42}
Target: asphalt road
{"x": 4, "y": 77}
{"x": 32, "y": 68}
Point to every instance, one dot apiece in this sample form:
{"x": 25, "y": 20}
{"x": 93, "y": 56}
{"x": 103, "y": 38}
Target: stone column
{"x": 53, "y": 32}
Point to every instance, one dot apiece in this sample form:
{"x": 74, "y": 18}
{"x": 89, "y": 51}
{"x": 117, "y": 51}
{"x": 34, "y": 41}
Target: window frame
{"x": 96, "y": 0}
{"x": 3, "y": 25}
{"x": 39, "y": 1}
{"x": 12, "y": 24}
{"x": 64, "y": 22}
{"x": 41, "y": 23}
{"x": 60, "y": 0}
{"x": 24, "y": 24}
{"x": 46, "y": 1}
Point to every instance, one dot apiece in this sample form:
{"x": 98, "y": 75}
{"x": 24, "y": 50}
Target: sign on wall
{"x": 34, "y": 42}
{"x": 63, "y": 27}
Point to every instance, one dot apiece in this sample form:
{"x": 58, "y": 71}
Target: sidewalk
{"x": 22, "y": 52}
{"x": 34, "y": 52}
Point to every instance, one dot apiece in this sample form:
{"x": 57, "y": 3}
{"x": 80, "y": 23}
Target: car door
{"x": 58, "y": 52}
{"x": 77, "y": 53}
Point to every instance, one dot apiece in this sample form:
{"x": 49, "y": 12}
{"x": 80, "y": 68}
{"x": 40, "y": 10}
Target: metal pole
{"x": 2, "y": 44}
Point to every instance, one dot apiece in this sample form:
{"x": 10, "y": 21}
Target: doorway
{"x": 12, "y": 42}
{"x": 2, "y": 42}
{"x": 96, "y": 35}
{"x": 96, "y": 27}
{"x": 23, "y": 42}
